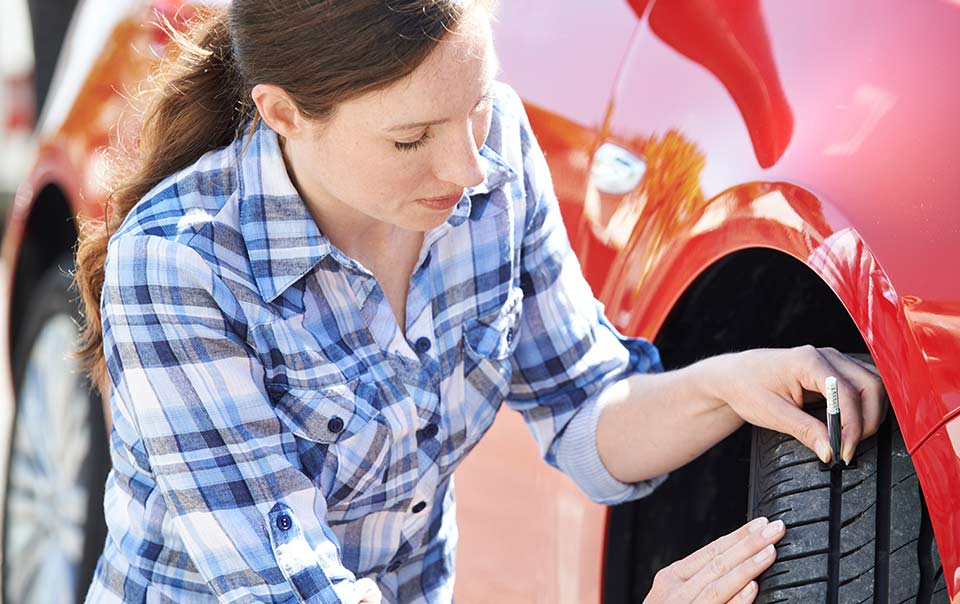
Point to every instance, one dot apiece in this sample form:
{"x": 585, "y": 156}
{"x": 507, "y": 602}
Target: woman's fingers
{"x": 732, "y": 586}
{"x": 861, "y": 393}
{"x": 747, "y": 594}
{"x": 815, "y": 369}
{"x": 728, "y": 586}
{"x": 688, "y": 567}
{"x": 722, "y": 571}
{"x": 734, "y": 568}
{"x": 788, "y": 418}
{"x": 873, "y": 396}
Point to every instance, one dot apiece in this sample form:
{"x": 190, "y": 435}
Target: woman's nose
{"x": 459, "y": 161}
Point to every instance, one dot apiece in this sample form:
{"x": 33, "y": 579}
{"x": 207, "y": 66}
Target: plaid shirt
{"x": 277, "y": 438}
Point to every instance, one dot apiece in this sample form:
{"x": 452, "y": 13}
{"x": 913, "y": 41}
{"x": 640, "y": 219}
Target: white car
{"x": 16, "y": 97}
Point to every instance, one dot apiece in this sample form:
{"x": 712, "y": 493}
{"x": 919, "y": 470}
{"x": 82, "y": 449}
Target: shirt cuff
{"x": 578, "y": 457}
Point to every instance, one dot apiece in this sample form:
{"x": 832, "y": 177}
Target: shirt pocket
{"x": 326, "y": 415}
{"x": 489, "y": 342}
{"x": 343, "y": 439}
{"x": 493, "y": 336}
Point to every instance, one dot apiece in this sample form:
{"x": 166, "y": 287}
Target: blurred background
{"x": 17, "y": 97}
{"x": 32, "y": 34}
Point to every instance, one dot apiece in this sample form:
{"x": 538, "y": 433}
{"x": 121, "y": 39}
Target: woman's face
{"x": 390, "y": 154}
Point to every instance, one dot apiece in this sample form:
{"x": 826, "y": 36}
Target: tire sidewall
{"x": 55, "y": 296}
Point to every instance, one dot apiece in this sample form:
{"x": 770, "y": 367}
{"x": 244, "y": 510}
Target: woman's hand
{"x": 721, "y": 572}
{"x": 767, "y": 388}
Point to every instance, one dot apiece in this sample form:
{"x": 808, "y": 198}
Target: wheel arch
{"x": 751, "y": 297}
{"x": 666, "y": 257}
{"x": 719, "y": 312}
{"x": 49, "y": 232}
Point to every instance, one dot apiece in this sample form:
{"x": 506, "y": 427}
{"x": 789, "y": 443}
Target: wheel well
{"x": 50, "y": 232}
{"x": 752, "y": 298}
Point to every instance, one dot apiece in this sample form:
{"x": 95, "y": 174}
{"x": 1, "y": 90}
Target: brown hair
{"x": 321, "y": 52}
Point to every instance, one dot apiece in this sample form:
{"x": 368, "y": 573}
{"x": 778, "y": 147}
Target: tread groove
{"x": 900, "y": 547}
{"x": 798, "y": 523}
{"x": 791, "y": 464}
{"x": 833, "y": 565}
{"x": 859, "y": 515}
{"x": 924, "y": 557}
{"x": 796, "y": 584}
{"x": 768, "y": 498}
{"x": 856, "y": 549}
{"x": 767, "y": 491}
{"x": 775, "y": 460}
{"x": 881, "y": 563}
{"x": 817, "y": 552}
{"x": 854, "y": 485}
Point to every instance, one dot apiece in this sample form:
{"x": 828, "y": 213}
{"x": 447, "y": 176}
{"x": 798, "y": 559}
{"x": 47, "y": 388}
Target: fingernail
{"x": 748, "y": 591}
{"x": 758, "y": 523}
{"x": 847, "y": 454}
{"x": 764, "y": 555}
{"x": 773, "y": 529}
{"x": 823, "y": 451}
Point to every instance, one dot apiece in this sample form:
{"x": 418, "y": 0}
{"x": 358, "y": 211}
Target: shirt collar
{"x": 283, "y": 242}
{"x": 475, "y": 199}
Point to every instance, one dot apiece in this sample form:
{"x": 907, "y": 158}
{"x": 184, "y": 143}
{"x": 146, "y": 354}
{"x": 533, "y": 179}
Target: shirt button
{"x": 284, "y": 523}
{"x": 419, "y": 507}
{"x": 510, "y": 334}
{"x": 423, "y": 345}
{"x": 429, "y": 431}
{"x": 335, "y": 425}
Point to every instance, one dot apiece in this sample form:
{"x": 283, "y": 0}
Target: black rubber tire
{"x": 862, "y": 534}
{"x": 52, "y": 297}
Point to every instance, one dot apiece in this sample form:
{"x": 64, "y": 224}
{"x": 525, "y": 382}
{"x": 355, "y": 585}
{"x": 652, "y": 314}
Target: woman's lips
{"x": 441, "y": 203}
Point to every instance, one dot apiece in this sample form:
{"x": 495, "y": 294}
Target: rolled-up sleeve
{"x": 190, "y": 393}
{"x": 568, "y": 352}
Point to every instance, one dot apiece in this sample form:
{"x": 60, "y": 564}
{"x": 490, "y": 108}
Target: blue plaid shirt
{"x": 277, "y": 438}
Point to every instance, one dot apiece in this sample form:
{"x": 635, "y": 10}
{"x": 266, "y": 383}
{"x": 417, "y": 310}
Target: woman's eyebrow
{"x": 412, "y": 125}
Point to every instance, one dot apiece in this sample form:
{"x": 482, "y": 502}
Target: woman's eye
{"x": 414, "y": 145}
{"x": 484, "y": 101}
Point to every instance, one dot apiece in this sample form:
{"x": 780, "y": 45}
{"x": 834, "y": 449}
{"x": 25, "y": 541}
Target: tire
{"x": 862, "y": 534}
{"x": 54, "y": 526}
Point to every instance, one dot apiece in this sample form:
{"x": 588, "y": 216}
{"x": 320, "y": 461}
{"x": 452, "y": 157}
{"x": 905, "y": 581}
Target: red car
{"x": 733, "y": 174}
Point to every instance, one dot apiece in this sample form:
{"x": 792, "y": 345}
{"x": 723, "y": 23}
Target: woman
{"x": 339, "y": 253}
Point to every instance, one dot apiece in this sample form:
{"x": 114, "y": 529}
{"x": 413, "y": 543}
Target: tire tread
{"x": 884, "y": 551}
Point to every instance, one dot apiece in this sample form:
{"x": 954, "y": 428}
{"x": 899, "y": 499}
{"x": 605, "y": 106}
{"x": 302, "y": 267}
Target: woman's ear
{"x": 278, "y": 110}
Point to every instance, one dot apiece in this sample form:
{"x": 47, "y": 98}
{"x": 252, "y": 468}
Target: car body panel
{"x": 865, "y": 146}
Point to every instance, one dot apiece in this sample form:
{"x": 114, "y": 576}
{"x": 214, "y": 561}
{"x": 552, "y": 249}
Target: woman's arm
{"x": 654, "y": 423}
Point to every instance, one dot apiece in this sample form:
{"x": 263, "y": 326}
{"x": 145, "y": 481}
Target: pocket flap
{"x": 494, "y": 336}
{"x": 329, "y": 414}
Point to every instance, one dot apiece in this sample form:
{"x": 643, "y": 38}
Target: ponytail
{"x": 198, "y": 103}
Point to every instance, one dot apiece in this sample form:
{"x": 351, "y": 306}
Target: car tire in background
{"x": 853, "y": 535}
{"x": 54, "y": 526}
